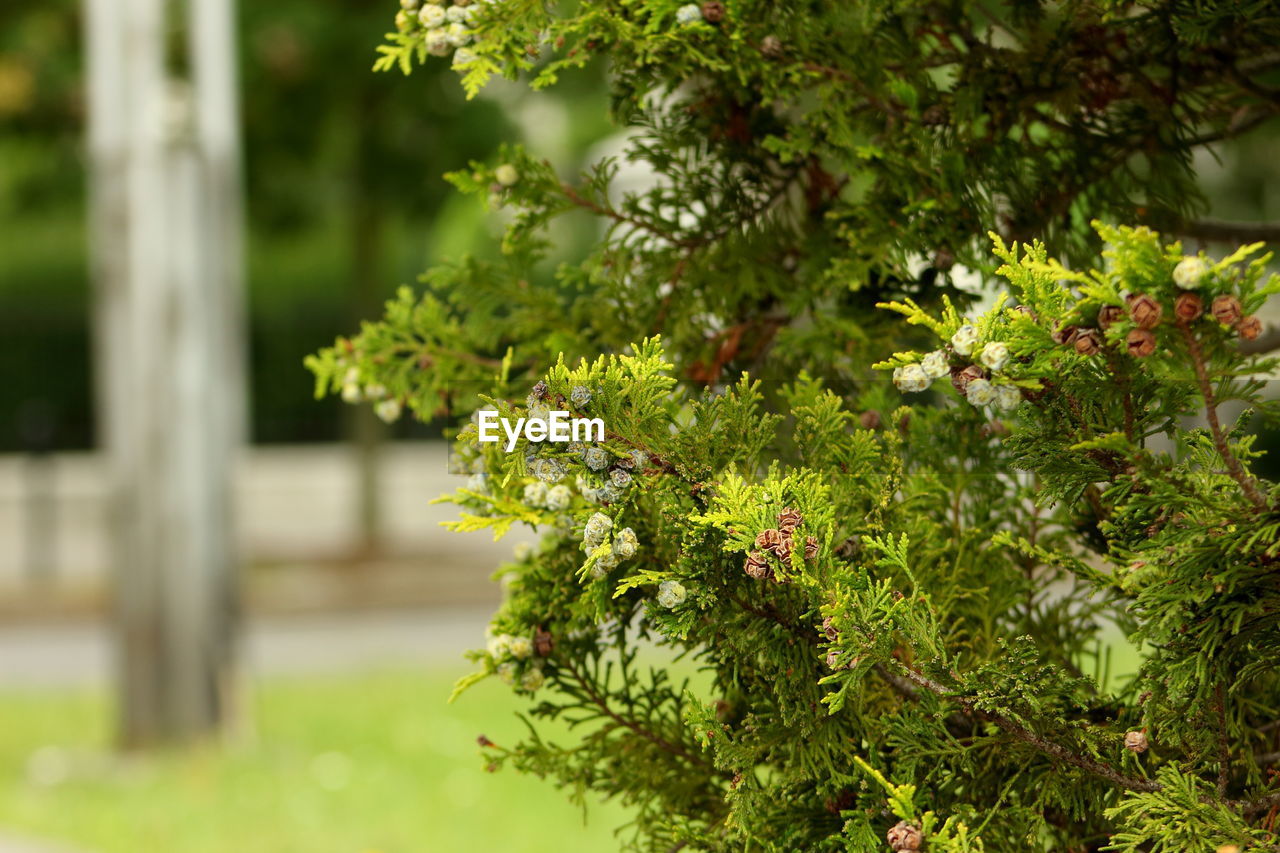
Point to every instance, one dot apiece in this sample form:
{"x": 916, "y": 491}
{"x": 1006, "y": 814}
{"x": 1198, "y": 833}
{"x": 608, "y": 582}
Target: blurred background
{"x": 354, "y": 605}
{"x": 289, "y": 696}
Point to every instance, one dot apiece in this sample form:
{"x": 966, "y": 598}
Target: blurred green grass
{"x": 337, "y": 764}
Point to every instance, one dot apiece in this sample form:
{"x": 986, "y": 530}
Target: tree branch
{"x": 1247, "y": 484}
{"x": 1048, "y": 747}
{"x": 1221, "y": 231}
{"x": 600, "y": 702}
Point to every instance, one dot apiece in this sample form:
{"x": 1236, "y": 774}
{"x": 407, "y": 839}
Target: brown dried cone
{"x": 713, "y": 11}
{"x": 757, "y": 566}
{"x": 542, "y": 643}
{"x": 869, "y": 419}
{"x": 789, "y": 519}
{"x": 961, "y": 377}
{"x": 1088, "y": 342}
{"x": 771, "y": 46}
{"x": 1141, "y": 343}
{"x": 1135, "y": 741}
{"x": 1226, "y": 309}
{"x": 833, "y": 660}
{"x": 1065, "y": 335}
{"x": 784, "y": 549}
{"x": 810, "y": 547}
{"x": 829, "y": 628}
{"x": 1145, "y": 311}
{"x": 767, "y": 540}
{"x": 1109, "y": 315}
{"x": 1188, "y": 306}
{"x": 905, "y": 837}
{"x": 1249, "y": 327}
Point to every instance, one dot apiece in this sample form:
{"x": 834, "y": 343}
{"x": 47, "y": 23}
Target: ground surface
{"x": 338, "y": 763}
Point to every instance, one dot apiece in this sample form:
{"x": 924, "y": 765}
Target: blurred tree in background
{"x": 345, "y": 199}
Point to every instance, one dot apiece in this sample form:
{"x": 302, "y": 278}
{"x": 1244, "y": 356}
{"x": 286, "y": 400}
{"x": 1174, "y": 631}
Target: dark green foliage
{"x": 886, "y": 612}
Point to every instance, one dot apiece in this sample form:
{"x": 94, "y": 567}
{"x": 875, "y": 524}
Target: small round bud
{"x": 409, "y": 5}
{"x": 1145, "y": 311}
{"x": 688, "y": 13}
{"x": 462, "y": 57}
{"x": 980, "y": 392}
{"x": 1088, "y": 342}
{"x": 625, "y": 544}
{"x": 1008, "y": 397}
{"x": 904, "y": 837}
{"x": 507, "y": 175}
{"x": 1136, "y": 741}
{"x": 910, "y": 378}
{"x": 713, "y": 11}
{"x": 994, "y": 356}
{"x": 597, "y": 529}
{"x": 1109, "y": 315}
{"x": 964, "y": 340}
{"x": 596, "y": 458}
{"x": 388, "y": 410}
{"x": 1140, "y": 343}
{"x": 771, "y": 46}
{"x": 532, "y": 679}
{"x": 936, "y": 364}
{"x": 869, "y": 419}
{"x": 460, "y": 36}
{"x": 580, "y": 396}
{"x": 671, "y": 594}
{"x": 403, "y": 21}
{"x": 558, "y": 498}
{"x": 1188, "y": 273}
{"x": 521, "y": 647}
{"x": 1188, "y": 307}
{"x": 432, "y": 16}
{"x": 437, "y": 42}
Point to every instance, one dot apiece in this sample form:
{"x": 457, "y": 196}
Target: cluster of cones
{"x": 780, "y": 542}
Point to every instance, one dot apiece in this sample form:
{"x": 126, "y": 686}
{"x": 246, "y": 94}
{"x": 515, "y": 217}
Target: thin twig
{"x": 1048, "y": 747}
{"x": 651, "y": 736}
{"x": 1234, "y": 468}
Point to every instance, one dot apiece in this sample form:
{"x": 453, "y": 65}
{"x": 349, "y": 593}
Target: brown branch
{"x": 1247, "y": 484}
{"x": 622, "y": 218}
{"x": 1048, "y": 747}
{"x": 1224, "y": 749}
{"x": 600, "y": 702}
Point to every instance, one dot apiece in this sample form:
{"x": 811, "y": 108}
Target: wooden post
{"x": 165, "y": 233}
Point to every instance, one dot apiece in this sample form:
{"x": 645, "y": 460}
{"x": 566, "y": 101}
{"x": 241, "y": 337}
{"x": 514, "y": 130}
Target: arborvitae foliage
{"x": 784, "y": 606}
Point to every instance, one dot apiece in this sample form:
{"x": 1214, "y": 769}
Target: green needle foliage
{"x": 782, "y": 606}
